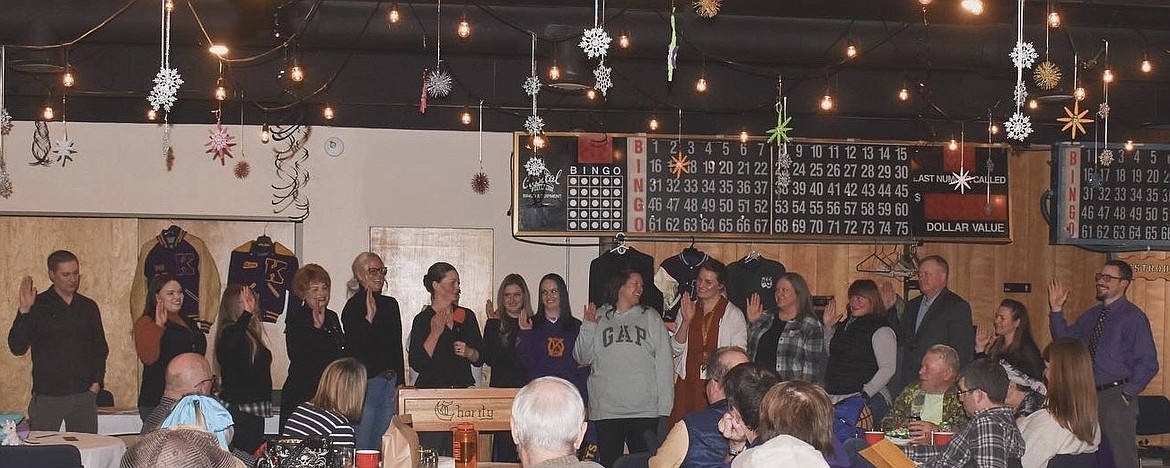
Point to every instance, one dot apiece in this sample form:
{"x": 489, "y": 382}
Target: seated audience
{"x": 1011, "y": 339}
{"x": 1068, "y": 424}
{"x": 796, "y": 428}
{"x": 990, "y": 439}
{"x": 1025, "y": 395}
{"x": 695, "y": 441}
{"x": 548, "y": 423}
{"x": 187, "y": 373}
{"x": 932, "y": 402}
{"x": 335, "y": 407}
{"x": 745, "y": 386}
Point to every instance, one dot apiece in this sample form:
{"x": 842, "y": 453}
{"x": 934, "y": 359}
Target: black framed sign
{"x": 1123, "y": 203}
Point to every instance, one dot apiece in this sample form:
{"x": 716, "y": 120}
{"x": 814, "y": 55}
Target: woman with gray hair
{"x": 548, "y": 423}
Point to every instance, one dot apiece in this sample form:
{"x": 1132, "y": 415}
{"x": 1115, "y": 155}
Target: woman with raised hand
{"x": 313, "y": 338}
{"x": 791, "y": 338}
{"x": 245, "y": 366}
{"x": 373, "y": 331}
{"x": 863, "y": 350}
{"x": 160, "y": 334}
{"x": 1011, "y": 340}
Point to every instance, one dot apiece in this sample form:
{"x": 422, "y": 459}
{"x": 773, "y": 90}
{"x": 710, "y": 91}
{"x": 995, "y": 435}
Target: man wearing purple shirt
{"x": 1118, "y": 335}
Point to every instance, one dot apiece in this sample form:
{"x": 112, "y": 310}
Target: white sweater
{"x": 732, "y": 332}
{"x": 1044, "y": 438}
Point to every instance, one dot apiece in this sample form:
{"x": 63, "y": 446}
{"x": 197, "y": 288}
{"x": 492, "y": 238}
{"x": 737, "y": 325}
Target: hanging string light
{"x": 743, "y": 136}
{"x": 1146, "y": 65}
{"x": 151, "y": 114}
{"x": 465, "y": 116}
{"x": 975, "y": 7}
{"x": 624, "y": 40}
{"x": 851, "y": 50}
{"x": 393, "y": 16}
{"x": 464, "y": 29}
{"x": 653, "y": 124}
{"x": 327, "y": 112}
{"x": 67, "y": 79}
{"x": 904, "y": 93}
{"x": 1053, "y": 19}
{"x": 827, "y": 101}
{"x": 265, "y": 134}
{"x": 701, "y": 85}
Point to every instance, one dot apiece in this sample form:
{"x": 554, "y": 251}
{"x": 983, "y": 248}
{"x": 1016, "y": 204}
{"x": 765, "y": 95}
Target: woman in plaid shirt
{"x": 791, "y": 338}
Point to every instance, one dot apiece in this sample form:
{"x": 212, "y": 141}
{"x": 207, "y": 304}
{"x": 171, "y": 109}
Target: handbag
{"x": 846, "y": 413}
{"x": 312, "y": 452}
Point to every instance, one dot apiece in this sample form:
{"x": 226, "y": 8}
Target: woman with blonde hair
{"x": 511, "y": 311}
{"x": 373, "y": 331}
{"x": 1068, "y": 424}
{"x": 245, "y": 364}
{"x": 796, "y": 428}
{"x": 336, "y": 406}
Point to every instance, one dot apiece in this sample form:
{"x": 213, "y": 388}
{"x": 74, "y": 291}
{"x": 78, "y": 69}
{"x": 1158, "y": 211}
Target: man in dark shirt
{"x": 64, "y": 330}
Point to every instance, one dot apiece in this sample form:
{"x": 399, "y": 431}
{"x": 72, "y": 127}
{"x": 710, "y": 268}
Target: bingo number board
{"x": 1124, "y": 203}
{"x": 582, "y": 184}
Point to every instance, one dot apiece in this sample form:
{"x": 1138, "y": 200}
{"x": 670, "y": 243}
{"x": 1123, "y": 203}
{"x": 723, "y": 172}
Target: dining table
{"x": 97, "y": 450}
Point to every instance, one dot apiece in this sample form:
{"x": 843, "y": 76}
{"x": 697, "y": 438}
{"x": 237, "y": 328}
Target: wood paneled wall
{"x": 978, "y": 271}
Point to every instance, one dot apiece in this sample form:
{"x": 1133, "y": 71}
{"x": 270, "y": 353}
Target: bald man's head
{"x": 188, "y": 373}
{"x": 721, "y": 361}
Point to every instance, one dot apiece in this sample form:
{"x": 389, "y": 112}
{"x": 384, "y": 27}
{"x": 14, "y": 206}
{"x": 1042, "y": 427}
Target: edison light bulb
{"x": 47, "y": 113}
{"x": 624, "y": 41}
{"x": 591, "y": 94}
{"x": 1146, "y": 65}
{"x": 151, "y": 114}
{"x": 954, "y": 145}
{"x": 653, "y": 123}
{"x": 994, "y": 129}
{"x": 743, "y": 136}
{"x": 464, "y": 29}
{"x": 1054, "y": 20}
{"x": 67, "y": 78}
{"x": 465, "y": 117}
{"x": 1079, "y": 93}
{"x": 701, "y": 85}
{"x": 827, "y": 102}
{"x": 265, "y": 135}
{"x": 1107, "y": 75}
{"x": 393, "y": 16}
{"x": 538, "y": 142}
{"x": 851, "y": 51}
{"x": 220, "y": 93}
{"x": 296, "y": 74}
{"x": 1033, "y": 104}
{"x": 327, "y": 112}
{"x": 554, "y": 73}
{"x": 973, "y": 6}
{"x": 903, "y": 94}
{"x": 1129, "y": 145}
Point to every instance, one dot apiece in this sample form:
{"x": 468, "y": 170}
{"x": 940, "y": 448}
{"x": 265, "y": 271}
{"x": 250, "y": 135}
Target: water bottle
{"x": 464, "y": 437}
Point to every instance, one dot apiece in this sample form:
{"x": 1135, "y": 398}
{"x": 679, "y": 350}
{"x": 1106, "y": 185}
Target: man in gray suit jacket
{"x": 938, "y": 316}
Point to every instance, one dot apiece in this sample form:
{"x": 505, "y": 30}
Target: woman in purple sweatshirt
{"x": 545, "y": 343}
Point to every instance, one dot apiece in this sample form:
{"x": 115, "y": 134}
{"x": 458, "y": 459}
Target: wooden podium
{"x": 440, "y": 409}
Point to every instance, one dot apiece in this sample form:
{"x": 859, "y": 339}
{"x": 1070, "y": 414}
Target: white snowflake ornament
{"x": 784, "y": 160}
{"x": 219, "y": 144}
{"x": 534, "y": 125}
{"x": 534, "y": 166}
{"x": 1105, "y": 158}
{"x": 166, "y": 89}
{"x": 64, "y": 149}
{"x": 1024, "y": 55}
{"x": 604, "y": 76}
{"x": 783, "y": 179}
{"x": 1021, "y": 93}
{"x": 595, "y": 42}
{"x": 962, "y": 180}
{"x": 438, "y": 83}
{"x": 1103, "y": 110}
{"x": 5, "y": 122}
{"x": 532, "y": 86}
{"x": 1019, "y": 126}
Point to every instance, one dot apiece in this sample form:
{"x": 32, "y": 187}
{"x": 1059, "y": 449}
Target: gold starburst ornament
{"x": 1075, "y": 120}
{"x": 1046, "y": 75}
{"x": 707, "y": 8}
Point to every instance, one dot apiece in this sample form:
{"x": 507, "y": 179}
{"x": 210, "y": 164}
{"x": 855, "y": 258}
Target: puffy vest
{"x": 707, "y": 447}
{"x": 851, "y": 358}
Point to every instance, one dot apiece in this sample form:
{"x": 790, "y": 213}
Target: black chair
{"x": 1082, "y": 460}
{"x": 105, "y": 399}
{"x": 633, "y": 460}
{"x": 41, "y": 456}
{"x": 1153, "y": 415}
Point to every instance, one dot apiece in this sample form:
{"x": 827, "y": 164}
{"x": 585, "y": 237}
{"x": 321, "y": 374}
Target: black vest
{"x": 851, "y": 358}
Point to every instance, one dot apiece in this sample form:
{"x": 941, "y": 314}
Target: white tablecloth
{"x": 97, "y": 451}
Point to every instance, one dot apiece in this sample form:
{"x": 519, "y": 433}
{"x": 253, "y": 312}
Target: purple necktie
{"x": 1095, "y": 338}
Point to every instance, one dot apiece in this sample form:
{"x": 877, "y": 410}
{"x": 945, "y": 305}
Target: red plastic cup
{"x": 368, "y": 458}
{"x": 873, "y": 437}
{"x": 943, "y": 438}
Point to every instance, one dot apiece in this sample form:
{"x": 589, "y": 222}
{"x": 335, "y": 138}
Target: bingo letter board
{"x": 583, "y": 184}
{"x": 1123, "y": 203}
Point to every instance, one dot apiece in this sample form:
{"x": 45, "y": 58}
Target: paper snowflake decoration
{"x": 534, "y": 166}
{"x": 438, "y": 83}
{"x": 5, "y": 185}
{"x": 532, "y": 86}
{"x": 1021, "y": 93}
{"x": 1105, "y": 158}
{"x": 783, "y": 179}
{"x": 1046, "y": 75}
{"x": 5, "y": 122}
{"x": 1024, "y": 55}
{"x": 1075, "y": 120}
{"x": 1103, "y": 110}
{"x": 679, "y": 165}
{"x": 962, "y": 180}
{"x": 707, "y": 8}
{"x": 1018, "y": 127}
{"x": 480, "y": 183}
{"x": 219, "y": 144}
{"x": 242, "y": 170}
{"x": 784, "y": 160}
{"x": 64, "y": 149}
{"x": 595, "y": 42}
{"x": 604, "y": 76}
{"x": 534, "y": 124}
{"x": 779, "y": 133}
{"x": 166, "y": 89}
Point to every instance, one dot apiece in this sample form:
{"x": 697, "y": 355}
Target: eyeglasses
{"x": 1108, "y": 278}
{"x": 378, "y": 271}
{"x": 213, "y": 380}
{"x": 969, "y": 390}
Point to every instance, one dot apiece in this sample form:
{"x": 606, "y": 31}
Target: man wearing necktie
{"x": 1118, "y": 335}
{"x": 938, "y": 316}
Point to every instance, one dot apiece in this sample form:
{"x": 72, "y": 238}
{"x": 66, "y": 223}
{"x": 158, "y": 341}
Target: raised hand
{"x": 687, "y": 307}
{"x": 889, "y": 296}
{"x": 439, "y": 322}
{"x": 1057, "y": 295}
{"x": 591, "y": 313}
{"x": 160, "y": 314}
{"x": 492, "y": 313}
{"x": 27, "y": 294}
{"x": 248, "y": 300}
{"x": 525, "y": 321}
{"x": 831, "y": 316}
{"x": 755, "y": 308}
{"x": 983, "y": 337}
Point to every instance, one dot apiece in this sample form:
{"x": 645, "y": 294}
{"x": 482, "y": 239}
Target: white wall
{"x": 384, "y": 178}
